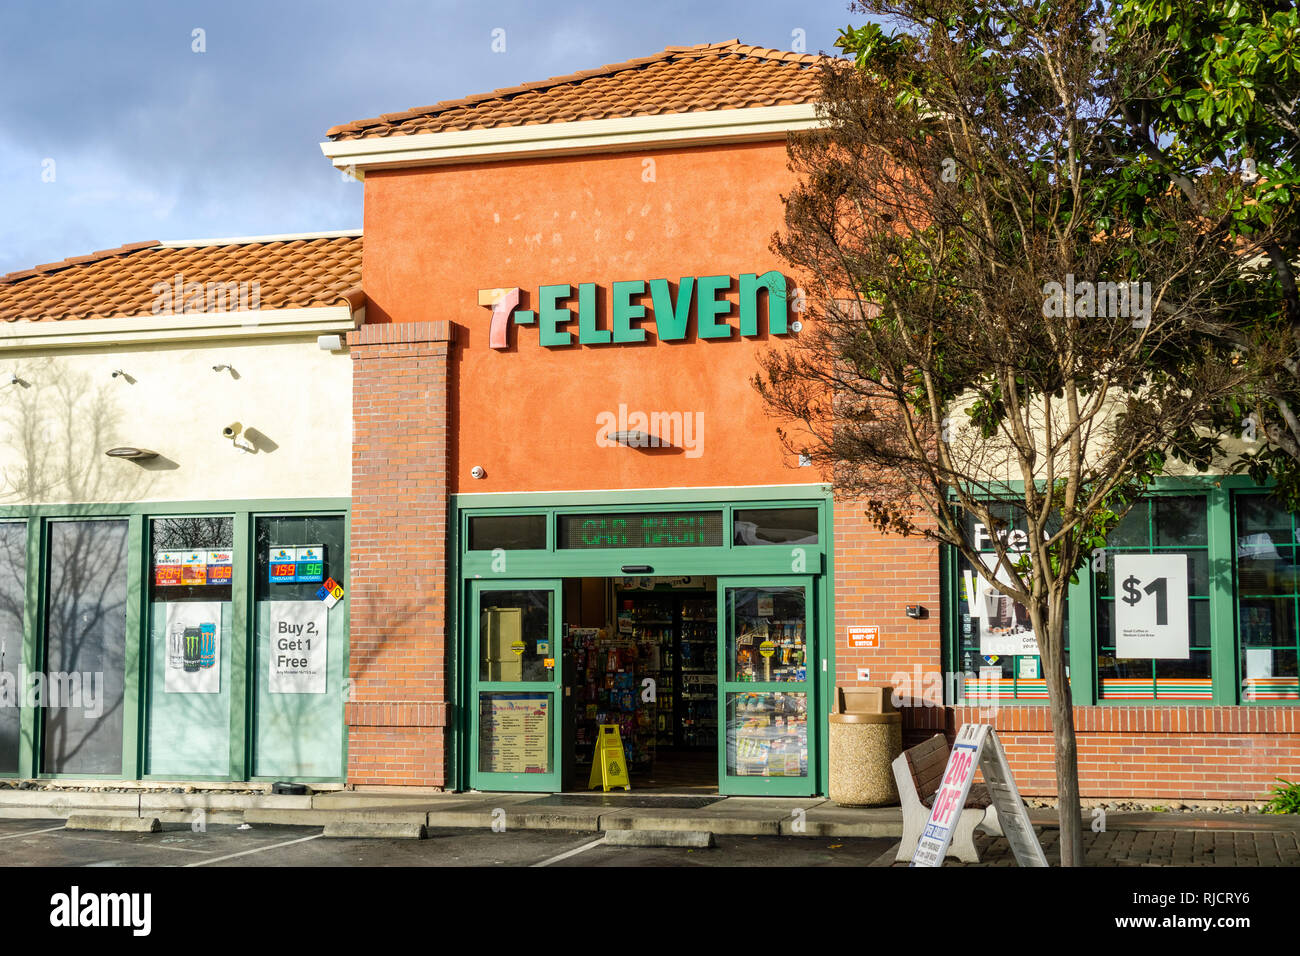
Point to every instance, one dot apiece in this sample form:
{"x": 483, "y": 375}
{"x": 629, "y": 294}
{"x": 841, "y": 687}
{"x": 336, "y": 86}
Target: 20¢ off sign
{"x": 298, "y": 647}
{"x": 1150, "y": 612}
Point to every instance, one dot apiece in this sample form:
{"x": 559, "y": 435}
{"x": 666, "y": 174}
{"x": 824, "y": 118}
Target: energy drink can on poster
{"x": 207, "y": 645}
{"x": 193, "y": 653}
{"x": 176, "y": 647}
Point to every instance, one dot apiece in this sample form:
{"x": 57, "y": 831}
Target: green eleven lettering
{"x": 671, "y": 312}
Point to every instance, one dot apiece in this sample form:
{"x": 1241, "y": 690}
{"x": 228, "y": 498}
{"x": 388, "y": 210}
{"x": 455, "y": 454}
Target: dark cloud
{"x": 151, "y": 140}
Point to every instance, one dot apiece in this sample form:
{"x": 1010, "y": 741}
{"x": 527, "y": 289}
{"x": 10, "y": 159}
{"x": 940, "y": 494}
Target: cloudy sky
{"x": 114, "y": 130}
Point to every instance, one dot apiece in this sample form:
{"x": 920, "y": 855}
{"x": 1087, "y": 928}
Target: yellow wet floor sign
{"x": 608, "y": 764}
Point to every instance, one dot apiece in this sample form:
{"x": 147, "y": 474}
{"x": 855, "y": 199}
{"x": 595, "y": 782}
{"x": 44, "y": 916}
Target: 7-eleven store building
{"x": 563, "y": 482}
{"x": 560, "y": 492}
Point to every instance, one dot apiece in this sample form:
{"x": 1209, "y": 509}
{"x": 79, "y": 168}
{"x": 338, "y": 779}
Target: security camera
{"x": 477, "y": 471}
{"x": 14, "y": 379}
{"x": 232, "y": 430}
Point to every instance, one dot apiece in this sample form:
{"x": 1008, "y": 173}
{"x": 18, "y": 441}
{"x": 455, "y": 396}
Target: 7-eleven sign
{"x": 502, "y": 302}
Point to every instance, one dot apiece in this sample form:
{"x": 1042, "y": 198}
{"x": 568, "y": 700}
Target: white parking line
{"x": 15, "y": 836}
{"x": 152, "y": 846}
{"x": 565, "y": 856}
{"x": 273, "y": 846}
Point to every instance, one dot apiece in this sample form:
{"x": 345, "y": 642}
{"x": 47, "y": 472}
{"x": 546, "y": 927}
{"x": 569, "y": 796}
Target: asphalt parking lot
{"x": 42, "y": 843}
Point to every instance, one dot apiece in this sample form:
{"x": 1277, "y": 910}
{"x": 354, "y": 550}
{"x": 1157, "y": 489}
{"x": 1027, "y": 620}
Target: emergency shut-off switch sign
{"x": 298, "y": 644}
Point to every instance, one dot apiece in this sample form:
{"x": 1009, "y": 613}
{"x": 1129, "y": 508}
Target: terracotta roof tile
{"x": 118, "y": 283}
{"x": 681, "y": 79}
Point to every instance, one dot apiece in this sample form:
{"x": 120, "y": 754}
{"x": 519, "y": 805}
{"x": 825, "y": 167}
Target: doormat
{"x": 633, "y": 800}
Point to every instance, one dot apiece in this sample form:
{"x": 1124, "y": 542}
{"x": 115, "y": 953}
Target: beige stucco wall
{"x": 994, "y": 460}
{"x": 68, "y": 409}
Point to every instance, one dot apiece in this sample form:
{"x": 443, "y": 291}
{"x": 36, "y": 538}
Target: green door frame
{"x": 816, "y": 562}
{"x": 737, "y": 784}
{"x": 521, "y": 782}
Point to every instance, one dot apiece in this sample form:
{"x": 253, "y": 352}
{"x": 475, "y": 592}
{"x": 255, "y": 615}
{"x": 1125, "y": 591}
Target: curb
{"x": 350, "y": 830}
{"x": 115, "y": 823}
{"x": 693, "y": 839}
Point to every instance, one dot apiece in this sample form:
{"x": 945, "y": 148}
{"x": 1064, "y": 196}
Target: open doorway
{"x": 641, "y": 653}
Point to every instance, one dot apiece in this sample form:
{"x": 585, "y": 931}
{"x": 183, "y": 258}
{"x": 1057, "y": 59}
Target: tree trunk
{"x": 1067, "y": 757}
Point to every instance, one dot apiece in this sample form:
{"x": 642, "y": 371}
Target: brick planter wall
{"x": 397, "y": 711}
{"x": 1184, "y": 752}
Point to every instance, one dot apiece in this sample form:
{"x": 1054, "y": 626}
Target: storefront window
{"x": 767, "y": 635}
{"x": 997, "y": 646}
{"x": 507, "y": 532}
{"x": 757, "y": 526}
{"x": 85, "y": 633}
{"x": 189, "y": 646}
{"x": 1132, "y": 604}
{"x": 515, "y": 636}
{"x": 300, "y": 655}
{"x": 13, "y": 586}
{"x": 767, "y": 735}
{"x": 1268, "y": 599}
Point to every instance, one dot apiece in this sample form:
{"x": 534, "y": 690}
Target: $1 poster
{"x": 1151, "y": 606}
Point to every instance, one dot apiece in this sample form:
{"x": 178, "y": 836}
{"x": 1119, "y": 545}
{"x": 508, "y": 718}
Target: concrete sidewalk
{"x": 1191, "y": 845}
{"x": 747, "y": 816}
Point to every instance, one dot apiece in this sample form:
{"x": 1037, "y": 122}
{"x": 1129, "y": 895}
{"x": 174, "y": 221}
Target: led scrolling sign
{"x": 676, "y": 529}
{"x": 671, "y": 313}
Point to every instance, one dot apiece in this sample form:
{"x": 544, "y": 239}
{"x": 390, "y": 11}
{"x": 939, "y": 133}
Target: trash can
{"x": 866, "y": 734}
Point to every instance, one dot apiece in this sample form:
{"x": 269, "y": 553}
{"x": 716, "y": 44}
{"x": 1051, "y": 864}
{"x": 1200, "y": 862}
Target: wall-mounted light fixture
{"x": 329, "y": 343}
{"x": 131, "y": 454}
{"x": 634, "y": 439}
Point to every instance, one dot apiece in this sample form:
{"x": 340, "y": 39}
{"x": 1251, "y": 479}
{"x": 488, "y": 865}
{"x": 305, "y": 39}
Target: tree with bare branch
{"x": 995, "y": 339}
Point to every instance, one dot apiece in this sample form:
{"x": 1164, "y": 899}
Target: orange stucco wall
{"x": 529, "y": 415}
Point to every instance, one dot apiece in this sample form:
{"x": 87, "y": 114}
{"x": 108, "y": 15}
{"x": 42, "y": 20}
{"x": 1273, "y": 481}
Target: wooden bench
{"x": 918, "y": 773}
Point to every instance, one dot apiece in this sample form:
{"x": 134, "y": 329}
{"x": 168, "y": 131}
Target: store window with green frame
{"x": 1268, "y": 598}
{"x": 13, "y": 595}
{"x": 1169, "y": 534}
{"x": 189, "y": 646}
{"x": 300, "y": 656}
{"x": 997, "y": 650}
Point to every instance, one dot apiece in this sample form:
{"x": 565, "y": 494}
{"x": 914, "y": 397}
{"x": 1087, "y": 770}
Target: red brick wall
{"x": 876, "y": 577}
{"x": 1184, "y": 752}
{"x": 397, "y": 712}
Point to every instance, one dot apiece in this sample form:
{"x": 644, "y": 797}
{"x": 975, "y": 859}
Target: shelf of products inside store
{"x": 770, "y": 649}
{"x": 768, "y": 735}
{"x": 609, "y": 671}
{"x": 648, "y": 622}
{"x": 698, "y": 643}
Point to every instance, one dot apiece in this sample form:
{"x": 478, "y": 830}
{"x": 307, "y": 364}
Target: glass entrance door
{"x": 767, "y": 682}
{"x": 515, "y": 701}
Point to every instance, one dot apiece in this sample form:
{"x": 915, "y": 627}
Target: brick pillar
{"x": 876, "y": 576}
{"x": 397, "y": 712}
